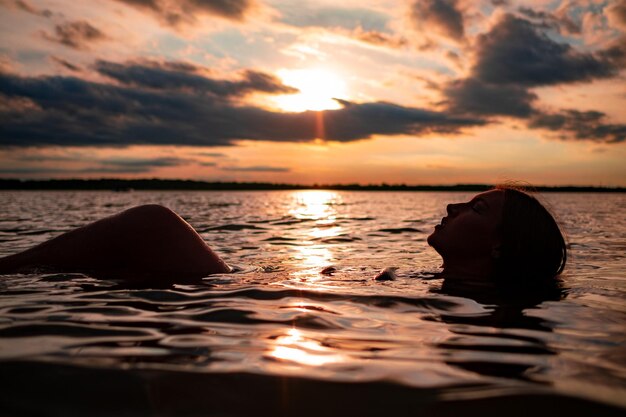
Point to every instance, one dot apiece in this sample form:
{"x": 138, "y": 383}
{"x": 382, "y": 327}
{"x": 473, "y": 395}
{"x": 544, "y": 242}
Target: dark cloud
{"x": 515, "y": 56}
{"x": 515, "y": 51}
{"x": 180, "y": 76}
{"x": 66, "y": 171}
{"x": 442, "y": 16}
{"x": 163, "y": 161}
{"x": 65, "y": 64}
{"x": 73, "y": 111}
{"x": 176, "y": 66}
{"x": 474, "y": 96}
{"x": 580, "y": 125}
{"x": 615, "y": 53}
{"x": 211, "y": 154}
{"x": 69, "y": 171}
{"x": 148, "y": 163}
{"x": 178, "y": 12}
{"x": 257, "y": 169}
{"x": 118, "y": 165}
{"x": 47, "y": 158}
{"x": 77, "y": 34}
{"x": 231, "y": 9}
{"x": 561, "y": 22}
{"x": 31, "y": 170}
{"x": 110, "y": 170}
{"x": 153, "y": 5}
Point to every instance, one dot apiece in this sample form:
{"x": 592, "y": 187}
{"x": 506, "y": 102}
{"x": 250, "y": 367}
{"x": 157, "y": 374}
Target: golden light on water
{"x": 317, "y": 90}
{"x": 314, "y": 256}
{"x": 314, "y": 205}
{"x": 295, "y": 347}
{"x": 318, "y": 207}
{"x": 326, "y": 232}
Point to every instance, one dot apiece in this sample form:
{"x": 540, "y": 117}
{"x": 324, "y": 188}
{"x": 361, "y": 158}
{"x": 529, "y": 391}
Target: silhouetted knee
{"x": 155, "y": 240}
{"x": 154, "y": 212}
{"x": 150, "y": 216}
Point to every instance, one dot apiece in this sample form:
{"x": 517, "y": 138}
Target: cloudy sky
{"x": 304, "y": 91}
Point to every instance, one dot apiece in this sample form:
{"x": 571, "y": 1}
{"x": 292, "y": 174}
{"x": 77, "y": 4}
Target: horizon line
{"x": 117, "y": 184}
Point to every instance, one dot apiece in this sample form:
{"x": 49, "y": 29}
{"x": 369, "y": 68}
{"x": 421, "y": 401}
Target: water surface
{"x": 293, "y": 340}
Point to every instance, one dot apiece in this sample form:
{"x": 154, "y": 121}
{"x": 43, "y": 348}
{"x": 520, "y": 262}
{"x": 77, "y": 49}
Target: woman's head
{"x": 470, "y": 232}
{"x": 503, "y": 233}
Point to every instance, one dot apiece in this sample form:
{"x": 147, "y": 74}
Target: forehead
{"x": 494, "y": 198}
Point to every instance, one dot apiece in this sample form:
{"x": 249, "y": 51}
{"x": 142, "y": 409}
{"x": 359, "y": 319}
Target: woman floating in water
{"x": 503, "y": 236}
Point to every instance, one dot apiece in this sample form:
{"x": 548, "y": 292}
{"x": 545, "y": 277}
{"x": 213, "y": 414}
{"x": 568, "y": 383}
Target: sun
{"x": 317, "y": 90}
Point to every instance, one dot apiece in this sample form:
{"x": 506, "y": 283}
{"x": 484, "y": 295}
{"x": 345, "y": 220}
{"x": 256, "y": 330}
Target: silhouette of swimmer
{"x": 503, "y": 236}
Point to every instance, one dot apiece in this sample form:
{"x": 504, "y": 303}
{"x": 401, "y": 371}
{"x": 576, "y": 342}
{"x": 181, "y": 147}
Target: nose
{"x": 453, "y": 208}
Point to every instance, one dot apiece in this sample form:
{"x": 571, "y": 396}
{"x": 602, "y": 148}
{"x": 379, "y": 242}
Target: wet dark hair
{"x": 533, "y": 251}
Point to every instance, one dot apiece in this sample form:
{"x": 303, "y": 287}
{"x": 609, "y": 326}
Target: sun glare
{"x": 295, "y": 347}
{"x": 314, "y": 205}
{"x": 317, "y": 90}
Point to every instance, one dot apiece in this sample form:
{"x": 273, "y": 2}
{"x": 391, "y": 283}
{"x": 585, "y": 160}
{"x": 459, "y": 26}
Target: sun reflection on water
{"x": 318, "y": 207}
{"x": 313, "y": 256}
{"x": 314, "y": 205}
{"x": 295, "y": 347}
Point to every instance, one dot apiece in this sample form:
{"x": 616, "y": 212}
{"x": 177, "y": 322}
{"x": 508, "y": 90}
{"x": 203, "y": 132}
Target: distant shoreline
{"x": 111, "y": 184}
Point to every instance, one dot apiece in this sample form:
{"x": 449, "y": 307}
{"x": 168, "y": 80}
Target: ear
{"x": 496, "y": 252}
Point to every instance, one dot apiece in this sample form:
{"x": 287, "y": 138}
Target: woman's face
{"x": 470, "y": 231}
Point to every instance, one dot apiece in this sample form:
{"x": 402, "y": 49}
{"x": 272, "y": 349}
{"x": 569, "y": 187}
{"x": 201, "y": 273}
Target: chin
{"x": 434, "y": 241}
{"x": 431, "y": 239}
